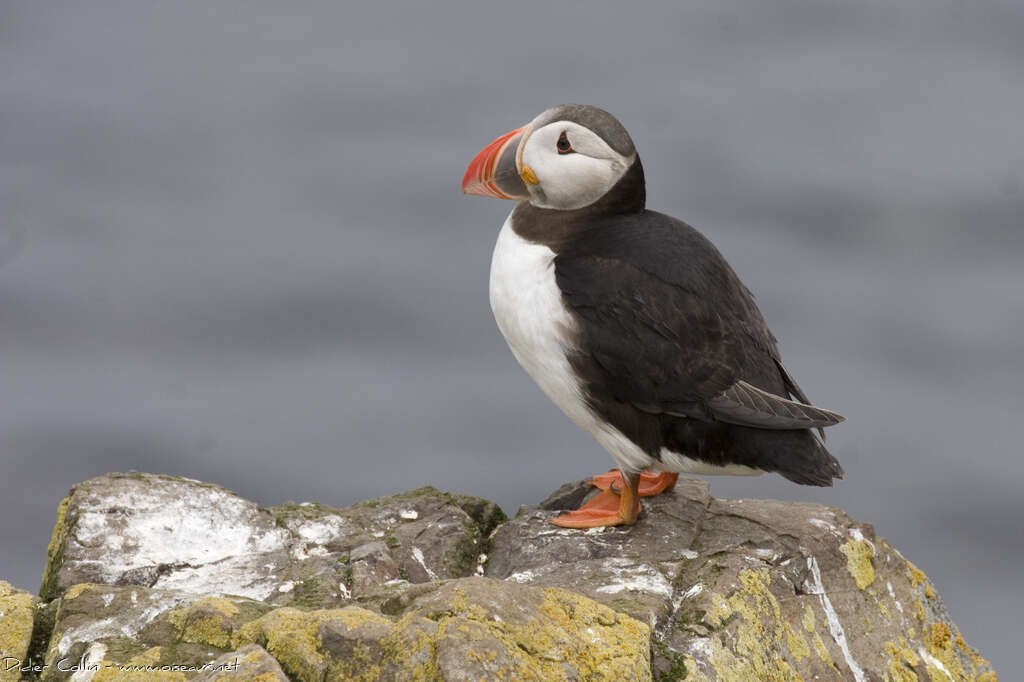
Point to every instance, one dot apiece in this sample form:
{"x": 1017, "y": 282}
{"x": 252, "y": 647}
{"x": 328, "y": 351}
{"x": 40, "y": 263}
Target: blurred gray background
{"x": 232, "y": 247}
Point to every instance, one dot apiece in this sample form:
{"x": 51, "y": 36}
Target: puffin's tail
{"x": 797, "y": 455}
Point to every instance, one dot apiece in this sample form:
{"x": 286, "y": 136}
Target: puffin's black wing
{"x": 672, "y": 330}
{"x": 750, "y": 406}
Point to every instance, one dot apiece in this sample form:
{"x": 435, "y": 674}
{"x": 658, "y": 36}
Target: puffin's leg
{"x": 608, "y": 508}
{"x": 651, "y": 484}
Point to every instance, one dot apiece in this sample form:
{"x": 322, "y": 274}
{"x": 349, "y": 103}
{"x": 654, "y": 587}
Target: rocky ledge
{"x": 158, "y": 578}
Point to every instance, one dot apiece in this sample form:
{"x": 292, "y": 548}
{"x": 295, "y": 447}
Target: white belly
{"x": 528, "y": 308}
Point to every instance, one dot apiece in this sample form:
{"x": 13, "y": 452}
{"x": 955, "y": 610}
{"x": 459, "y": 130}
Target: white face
{"x": 573, "y": 179}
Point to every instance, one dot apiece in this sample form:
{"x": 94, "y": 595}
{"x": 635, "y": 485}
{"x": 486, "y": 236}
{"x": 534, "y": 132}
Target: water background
{"x": 232, "y": 247}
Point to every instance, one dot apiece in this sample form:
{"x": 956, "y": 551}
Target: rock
{"x": 17, "y": 617}
{"x": 163, "y": 532}
{"x": 131, "y": 625}
{"x": 632, "y": 569}
{"x": 748, "y": 589}
{"x": 159, "y": 578}
{"x": 173, "y": 533}
{"x": 466, "y": 629}
{"x": 249, "y": 663}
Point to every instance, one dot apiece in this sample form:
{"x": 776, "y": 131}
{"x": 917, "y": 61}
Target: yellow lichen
{"x": 967, "y": 649}
{"x": 290, "y": 635}
{"x": 220, "y": 605}
{"x": 208, "y": 621}
{"x": 908, "y": 654}
{"x": 823, "y": 654}
{"x": 758, "y": 636}
{"x": 75, "y": 591}
{"x": 808, "y": 620}
{"x": 718, "y": 612}
{"x": 858, "y": 561}
{"x": 797, "y": 644}
{"x": 616, "y": 646}
{"x": 916, "y": 575}
{"x": 939, "y": 636}
{"x": 567, "y": 631}
{"x": 16, "y": 620}
{"x": 943, "y": 645}
{"x": 902, "y": 660}
{"x": 929, "y": 592}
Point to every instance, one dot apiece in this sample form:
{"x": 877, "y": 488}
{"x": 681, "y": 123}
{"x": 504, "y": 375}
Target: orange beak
{"x": 493, "y": 172}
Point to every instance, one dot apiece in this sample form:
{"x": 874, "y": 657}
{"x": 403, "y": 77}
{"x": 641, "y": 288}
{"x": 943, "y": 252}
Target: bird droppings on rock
{"x": 702, "y": 588}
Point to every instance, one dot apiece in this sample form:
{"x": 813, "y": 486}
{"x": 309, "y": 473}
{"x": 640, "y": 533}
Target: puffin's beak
{"x": 493, "y": 172}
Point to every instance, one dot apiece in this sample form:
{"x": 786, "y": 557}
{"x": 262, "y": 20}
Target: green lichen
{"x": 675, "y": 667}
{"x": 485, "y": 514}
{"x": 858, "y": 561}
{"x": 463, "y": 559}
{"x": 312, "y": 593}
{"x": 424, "y": 491}
{"x": 42, "y": 630}
{"x": 306, "y": 511}
{"x": 55, "y": 550}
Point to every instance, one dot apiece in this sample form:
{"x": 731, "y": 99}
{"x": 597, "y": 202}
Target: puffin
{"x": 633, "y": 323}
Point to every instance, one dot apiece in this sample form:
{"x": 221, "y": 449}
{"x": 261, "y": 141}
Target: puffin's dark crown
{"x": 606, "y": 126}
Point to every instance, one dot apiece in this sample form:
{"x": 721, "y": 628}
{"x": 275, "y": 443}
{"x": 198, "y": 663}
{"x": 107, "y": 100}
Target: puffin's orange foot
{"x": 651, "y": 484}
{"x": 607, "y": 508}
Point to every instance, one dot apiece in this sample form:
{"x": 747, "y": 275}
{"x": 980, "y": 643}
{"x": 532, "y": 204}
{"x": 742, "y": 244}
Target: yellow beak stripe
{"x": 528, "y": 176}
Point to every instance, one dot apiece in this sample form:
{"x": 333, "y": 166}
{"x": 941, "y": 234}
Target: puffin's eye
{"x": 563, "y": 144}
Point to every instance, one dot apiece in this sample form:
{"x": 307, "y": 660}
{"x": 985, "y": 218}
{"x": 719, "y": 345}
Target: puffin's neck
{"x": 554, "y": 228}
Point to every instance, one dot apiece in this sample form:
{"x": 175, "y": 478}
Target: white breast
{"x": 528, "y": 308}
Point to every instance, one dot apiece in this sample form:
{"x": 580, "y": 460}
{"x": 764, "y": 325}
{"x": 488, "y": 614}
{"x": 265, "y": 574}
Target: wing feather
{"x": 669, "y": 328}
{"x": 748, "y": 405}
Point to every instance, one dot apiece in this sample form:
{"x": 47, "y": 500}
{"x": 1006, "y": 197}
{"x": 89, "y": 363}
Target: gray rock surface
{"x": 178, "y": 534}
{"x": 465, "y": 629}
{"x": 158, "y": 576}
{"x": 747, "y": 589}
{"x": 134, "y": 625}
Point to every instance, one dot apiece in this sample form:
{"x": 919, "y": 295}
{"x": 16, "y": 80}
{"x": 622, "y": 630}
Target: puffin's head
{"x": 567, "y": 158}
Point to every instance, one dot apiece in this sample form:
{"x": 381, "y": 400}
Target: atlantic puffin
{"x": 633, "y": 323}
